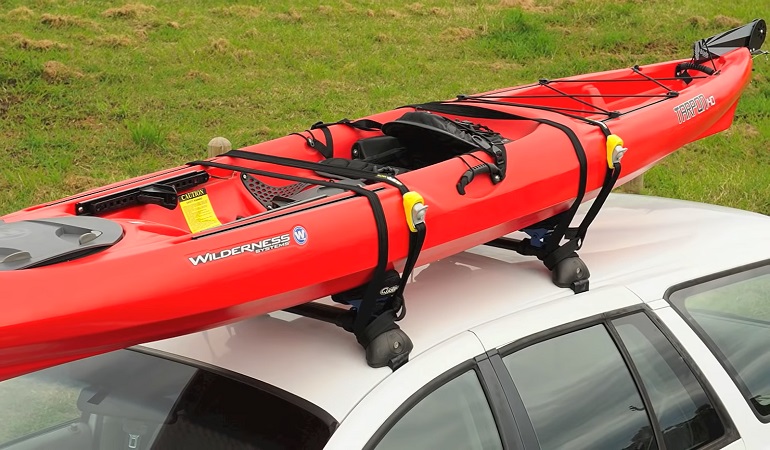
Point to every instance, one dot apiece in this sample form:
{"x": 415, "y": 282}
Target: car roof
{"x": 645, "y": 244}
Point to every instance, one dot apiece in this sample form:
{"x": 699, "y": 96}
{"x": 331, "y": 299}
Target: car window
{"x": 454, "y": 416}
{"x": 732, "y": 314}
{"x": 132, "y": 400}
{"x": 579, "y": 393}
{"x": 686, "y": 417}
{"x": 32, "y": 403}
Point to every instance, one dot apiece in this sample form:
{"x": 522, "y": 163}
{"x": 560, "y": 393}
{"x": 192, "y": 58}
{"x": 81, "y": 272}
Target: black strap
{"x": 416, "y": 239}
{"x": 367, "y": 331}
{"x": 553, "y": 251}
{"x": 464, "y": 110}
{"x": 346, "y": 172}
{"x": 327, "y": 148}
{"x": 610, "y": 177}
{"x": 362, "y": 124}
{"x": 312, "y": 142}
{"x": 377, "y": 210}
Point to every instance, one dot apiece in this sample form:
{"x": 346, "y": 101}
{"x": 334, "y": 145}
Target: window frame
{"x": 709, "y": 282}
{"x": 41, "y": 432}
{"x": 493, "y": 392}
{"x": 528, "y": 435}
{"x": 293, "y": 399}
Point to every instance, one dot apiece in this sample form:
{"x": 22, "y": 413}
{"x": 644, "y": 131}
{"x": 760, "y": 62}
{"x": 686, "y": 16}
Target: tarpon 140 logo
{"x": 300, "y": 235}
{"x": 693, "y": 107}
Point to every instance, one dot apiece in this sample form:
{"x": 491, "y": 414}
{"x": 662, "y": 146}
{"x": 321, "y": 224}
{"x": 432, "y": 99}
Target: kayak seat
{"x": 430, "y": 138}
{"x": 378, "y": 150}
{"x": 380, "y": 155}
{"x": 358, "y": 164}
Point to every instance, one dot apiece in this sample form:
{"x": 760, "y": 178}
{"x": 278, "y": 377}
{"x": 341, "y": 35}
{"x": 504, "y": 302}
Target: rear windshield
{"x": 132, "y": 400}
{"x": 732, "y": 315}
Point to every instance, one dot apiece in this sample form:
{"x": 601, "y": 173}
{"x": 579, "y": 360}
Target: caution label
{"x": 198, "y": 211}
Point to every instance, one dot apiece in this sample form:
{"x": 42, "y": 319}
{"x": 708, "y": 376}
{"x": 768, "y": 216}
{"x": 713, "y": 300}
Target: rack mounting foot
{"x": 571, "y": 272}
{"x": 568, "y": 272}
{"x": 384, "y": 342}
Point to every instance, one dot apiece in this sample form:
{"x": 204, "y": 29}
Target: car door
{"x": 446, "y": 398}
{"x": 598, "y": 371}
{"x": 723, "y": 321}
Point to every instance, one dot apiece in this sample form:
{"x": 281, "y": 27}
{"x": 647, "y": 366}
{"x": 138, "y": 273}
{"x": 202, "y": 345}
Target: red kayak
{"x": 332, "y": 210}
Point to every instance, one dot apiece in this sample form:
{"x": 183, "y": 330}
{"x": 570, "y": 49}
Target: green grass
{"x": 147, "y": 135}
{"x": 93, "y": 92}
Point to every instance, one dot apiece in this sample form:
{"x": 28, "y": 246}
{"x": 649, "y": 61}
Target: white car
{"x": 669, "y": 349}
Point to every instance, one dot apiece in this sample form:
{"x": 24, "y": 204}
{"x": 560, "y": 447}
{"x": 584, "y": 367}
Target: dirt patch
{"x": 293, "y": 16}
{"x": 20, "y": 13}
{"x": 219, "y": 45}
{"x": 394, "y": 14}
{"x": 128, "y": 11}
{"x": 238, "y": 11}
{"x": 416, "y": 8}
{"x": 458, "y": 34}
{"x": 499, "y": 66}
{"x": 78, "y": 183}
{"x": 115, "y": 41}
{"x": 698, "y": 22}
{"x": 263, "y": 130}
{"x": 242, "y": 54}
{"x": 222, "y": 46}
{"x": 349, "y": 7}
{"x": 726, "y": 22}
{"x": 54, "y": 21}
{"x": 758, "y": 78}
{"x": 37, "y": 45}
{"x": 325, "y": 9}
{"x": 56, "y": 72}
{"x": 89, "y": 123}
{"x": 746, "y": 130}
{"x": 174, "y": 25}
{"x": 439, "y": 12}
{"x": 525, "y": 5}
{"x": 6, "y": 101}
{"x": 197, "y": 75}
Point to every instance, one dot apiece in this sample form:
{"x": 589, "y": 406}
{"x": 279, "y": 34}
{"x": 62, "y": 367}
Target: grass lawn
{"x": 93, "y": 92}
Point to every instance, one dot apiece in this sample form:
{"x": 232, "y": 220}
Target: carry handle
{"x": 158, "y": 194}
{"x": 471, "y": 173}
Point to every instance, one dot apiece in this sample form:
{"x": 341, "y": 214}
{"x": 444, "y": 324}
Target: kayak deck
{"x": 214, "y": 241}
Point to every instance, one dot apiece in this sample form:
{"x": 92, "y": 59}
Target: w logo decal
{"x": 300, "y": 235}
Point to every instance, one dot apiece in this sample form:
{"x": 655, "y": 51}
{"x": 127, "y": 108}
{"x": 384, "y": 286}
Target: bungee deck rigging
{"x": 335, "y": 210}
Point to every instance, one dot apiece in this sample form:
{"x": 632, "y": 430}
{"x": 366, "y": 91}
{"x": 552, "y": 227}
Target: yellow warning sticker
{"x": 198, "y": 211}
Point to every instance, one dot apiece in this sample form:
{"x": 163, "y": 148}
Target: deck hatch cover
{"x": 32, "y": 243}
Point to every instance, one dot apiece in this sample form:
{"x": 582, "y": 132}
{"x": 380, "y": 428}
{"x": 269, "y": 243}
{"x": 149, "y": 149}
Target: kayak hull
{"x": 162, "y": 279}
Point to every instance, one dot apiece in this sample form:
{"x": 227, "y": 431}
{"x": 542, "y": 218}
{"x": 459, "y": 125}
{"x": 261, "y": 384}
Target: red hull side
{"x": 146, "y": 287}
